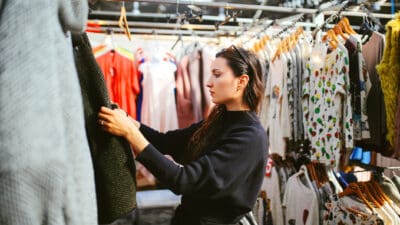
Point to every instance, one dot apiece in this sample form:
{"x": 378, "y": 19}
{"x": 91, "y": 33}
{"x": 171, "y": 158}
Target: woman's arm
{"x": 171, "y": 142}
{"x": 240, "y": 156}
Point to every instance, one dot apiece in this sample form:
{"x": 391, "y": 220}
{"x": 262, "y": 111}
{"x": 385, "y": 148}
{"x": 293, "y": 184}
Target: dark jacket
{"x": 114, "y": 166}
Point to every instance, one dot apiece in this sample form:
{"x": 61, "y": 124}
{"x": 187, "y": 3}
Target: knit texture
{"x": 388, "y": 71}
{"x": 114, "y": 166}
{"x": 46, "y": 173}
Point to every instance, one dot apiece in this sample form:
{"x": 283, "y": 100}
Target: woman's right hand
{"x": 115, "y": 121}
{"x": 118, "y": 123}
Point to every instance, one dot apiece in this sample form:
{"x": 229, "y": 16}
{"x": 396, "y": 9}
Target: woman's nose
{"x": 209, "y": 83}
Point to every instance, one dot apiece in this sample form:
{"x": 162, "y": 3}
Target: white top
{"x": 300, "y": 202}
{"x": 271, "y": 187}
{"x": 158, "y": 106}
{"x": 277, "y": 105}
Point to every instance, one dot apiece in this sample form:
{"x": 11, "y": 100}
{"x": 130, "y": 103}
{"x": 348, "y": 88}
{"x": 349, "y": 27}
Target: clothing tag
{"x": 268, "y": 167}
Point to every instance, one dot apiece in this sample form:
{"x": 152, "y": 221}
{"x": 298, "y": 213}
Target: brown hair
{"x": 241, "y": 62}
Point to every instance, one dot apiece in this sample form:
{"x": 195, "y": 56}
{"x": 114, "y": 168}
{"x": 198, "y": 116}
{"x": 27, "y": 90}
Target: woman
{"x": 222, "y": 158}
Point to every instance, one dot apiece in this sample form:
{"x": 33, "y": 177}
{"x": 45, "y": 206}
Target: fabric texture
{"x": 388, "y": 71}
{"x": 113, "y": 162}
{"x": 373, "y": 52}
{"x": 327, "y": 107}
{"x": 223, "y": 184}
{"x": 46, "y": 173}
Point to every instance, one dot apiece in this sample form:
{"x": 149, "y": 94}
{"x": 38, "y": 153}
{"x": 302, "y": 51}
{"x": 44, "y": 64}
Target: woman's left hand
{"x": 117, "y": 122}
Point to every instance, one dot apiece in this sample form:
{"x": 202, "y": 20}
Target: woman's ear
{"x": 244, "y": 80}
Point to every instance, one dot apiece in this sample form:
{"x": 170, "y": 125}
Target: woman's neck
{"x": 237, "y": 107}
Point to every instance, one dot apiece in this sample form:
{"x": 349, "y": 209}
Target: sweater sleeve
{"x": 172, "y": 142}
{"x": 239, "y": 155}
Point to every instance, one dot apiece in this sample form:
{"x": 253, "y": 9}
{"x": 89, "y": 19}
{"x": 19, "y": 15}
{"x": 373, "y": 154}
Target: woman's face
{"x": 223, "y": 84}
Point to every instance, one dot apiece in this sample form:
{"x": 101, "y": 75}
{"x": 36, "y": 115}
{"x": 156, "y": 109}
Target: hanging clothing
{"x": 300, "y": 202}
{"x": 388, "y": 71}
{"x": 199, "y": 72}
{"x": 327, "y": 108}
{"x": 184, "y": 105}
{"x": 272, "y": 188}
{"x": 336, "y": 212}
{"x": 46, "y": 173}
{"x": 372, "y": 52}
{"x": 278, "y": 122}
{"x": 360, "y": 86}
{"x": 121, "y": 77}
{"x": 113, "y": 162}
{"x": 159, "y": 106}
{"x": 390, "y": 189}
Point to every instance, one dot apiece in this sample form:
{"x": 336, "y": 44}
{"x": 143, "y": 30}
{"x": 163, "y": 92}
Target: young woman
{"x": 221, "y": 159}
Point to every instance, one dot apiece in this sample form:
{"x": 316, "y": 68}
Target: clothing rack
{"x": 230, "y": 6}
{"x": 331, "y": 18}
{"x": 293, "y": 24}
{"x": 209, "y": 30}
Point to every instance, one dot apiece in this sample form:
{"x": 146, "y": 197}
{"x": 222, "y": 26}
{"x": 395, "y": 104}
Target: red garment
{"x": 121, "y": 79}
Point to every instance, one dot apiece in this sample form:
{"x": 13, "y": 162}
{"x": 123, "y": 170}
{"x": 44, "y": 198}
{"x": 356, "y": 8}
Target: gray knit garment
{"x": 46, "y": 173}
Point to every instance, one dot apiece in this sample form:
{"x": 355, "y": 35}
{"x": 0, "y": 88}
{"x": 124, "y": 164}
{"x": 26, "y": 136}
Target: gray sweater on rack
{"x": 46, "y": 173}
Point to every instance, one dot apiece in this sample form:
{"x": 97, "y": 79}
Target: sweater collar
{"x": 241, "y": 115}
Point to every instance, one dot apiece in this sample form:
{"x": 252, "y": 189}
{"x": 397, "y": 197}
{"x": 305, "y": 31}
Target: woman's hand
{"x": 118, "y": 123}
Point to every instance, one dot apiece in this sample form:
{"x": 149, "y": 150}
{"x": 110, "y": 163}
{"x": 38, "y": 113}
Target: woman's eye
{"x": 217, "y": 75}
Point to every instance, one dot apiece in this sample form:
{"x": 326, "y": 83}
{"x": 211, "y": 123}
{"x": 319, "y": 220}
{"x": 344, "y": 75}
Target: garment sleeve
{"x": 172, "y": 142}
{"x": 238, "y": 156}
{"x": 73, "y": 14}
{"x": 305, "y": 98}
{"x": 284, "y": 110}
{"x": 347, "y": 109}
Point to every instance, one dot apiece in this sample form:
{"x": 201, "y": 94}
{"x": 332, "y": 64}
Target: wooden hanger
{"x": 278, "y": 52}
{"x": 313, "y": 173}
{"x": 371, "y": 197}
{"x": 338, "y": 31}
{"x": 331, "y": 37}
{"x": 346, "y": 25}
{"x": 375, "y": 186}
{"x": 353, "y": 189}
{"x": 123, "y": 21}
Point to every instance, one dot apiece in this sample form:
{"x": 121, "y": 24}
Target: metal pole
{"x": 230, "y": 6}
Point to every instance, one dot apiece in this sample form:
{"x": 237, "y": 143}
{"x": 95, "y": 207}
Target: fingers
{"x": 106, "y": 110}
{"x": 105, "y": 117}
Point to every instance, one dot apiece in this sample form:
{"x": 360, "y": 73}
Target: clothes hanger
{"x": 347, "y": 27}
{"x": 353, "y": 189}
{"x": 371, "y": 197}
{"x": 331, "y": 37}
{"x": 123, "y": 21}
{"x": 303, "y": 171}
{"x": 338, "y": 31}
{"x": 374, "y": 186}
{"x": 313, "y": 173}
{"x": 366, "y": 30}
